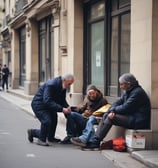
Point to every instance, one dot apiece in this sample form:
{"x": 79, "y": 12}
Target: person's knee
{"x": 69, "y": 115}
{"x": 45, "y": 119}
{"x": 46, "y": 122}
{"x": 73, "y": 114}
{"x": 107, "y": 121}
{"x": 92, "y": 118}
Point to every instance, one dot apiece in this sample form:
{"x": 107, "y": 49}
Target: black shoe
{"x": 29, "y": 133}
{"x": 92, "y": 146}
{"x": 77, "y": 141}
{"x": 66, "y": 140}
{"x": 54, "y": 140}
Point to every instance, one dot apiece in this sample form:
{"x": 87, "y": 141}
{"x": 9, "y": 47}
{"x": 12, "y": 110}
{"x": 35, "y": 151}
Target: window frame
{"x": 107, "y": 40}
{"x": 45, "y": 34}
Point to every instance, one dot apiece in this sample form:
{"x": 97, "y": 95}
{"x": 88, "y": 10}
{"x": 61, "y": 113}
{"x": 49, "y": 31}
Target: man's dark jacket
{"x": 50, "y": 97}
{"x": 6, "y": 72}
{"x": 136, "y": 105}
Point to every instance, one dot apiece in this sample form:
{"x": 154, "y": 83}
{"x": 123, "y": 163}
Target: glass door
{"x": 45, "y": 42}
{"x": 97, "y": 54}
{"x": 94, "y": 47}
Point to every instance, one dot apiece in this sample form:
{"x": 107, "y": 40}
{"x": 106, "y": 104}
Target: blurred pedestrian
{"x": 5, "y": 75}
{"x": 0, "y": 77}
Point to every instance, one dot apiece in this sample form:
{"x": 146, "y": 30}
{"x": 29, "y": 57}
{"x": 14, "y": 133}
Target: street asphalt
{"x": 138, "y": 159}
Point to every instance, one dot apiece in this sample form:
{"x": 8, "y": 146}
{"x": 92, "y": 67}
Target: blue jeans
{"x": 88, "y": 134}
{"x": 75, "y": 124}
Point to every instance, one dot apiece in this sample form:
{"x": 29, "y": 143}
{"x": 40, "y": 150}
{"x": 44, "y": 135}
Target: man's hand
{"x": 111, "y": 115}
{"x": 98, "y": 119}
{"x": 66, "y": 110}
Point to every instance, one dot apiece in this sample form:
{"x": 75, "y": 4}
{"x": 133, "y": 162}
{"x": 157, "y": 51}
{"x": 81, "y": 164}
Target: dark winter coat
{"x": 5, "y": 72}
{"x": 89, "y": 106}
{"x": 50, "y": 97}
{"x": 136, "y": 105}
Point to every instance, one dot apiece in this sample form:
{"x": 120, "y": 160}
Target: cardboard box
{"x": 135, "y": 141}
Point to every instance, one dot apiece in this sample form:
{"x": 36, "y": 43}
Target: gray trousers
{"x": 106, "y": 124}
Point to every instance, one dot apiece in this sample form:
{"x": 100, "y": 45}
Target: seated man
{"x": 131, "y": 111}
{"x": 76, "y": 120}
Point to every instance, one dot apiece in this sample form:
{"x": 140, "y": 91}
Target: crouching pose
{"x": 47, "y": 102}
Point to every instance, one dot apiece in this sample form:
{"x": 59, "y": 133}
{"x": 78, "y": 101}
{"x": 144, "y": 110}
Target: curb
{"x": 140, "y": 159}
{"x": 149, "y": 158}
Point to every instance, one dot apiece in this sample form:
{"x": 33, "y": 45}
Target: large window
{"x": 45, "y": 42}
{"x": 107, "y": 44}
{"x": 97, "y": 54}
{"x": 119, "y": 60}
{"x": 96, "y": 50}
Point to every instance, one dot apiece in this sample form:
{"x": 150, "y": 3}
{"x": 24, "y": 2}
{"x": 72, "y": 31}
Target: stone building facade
{"x": 96, "y": 40}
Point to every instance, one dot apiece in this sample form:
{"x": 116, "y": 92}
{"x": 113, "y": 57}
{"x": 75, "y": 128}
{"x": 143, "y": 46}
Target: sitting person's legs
{"x": 91, "y": 137}
{"x": 75, "y": 124}
{"x": 87, "y": 134}
{"x": 89, "y": 131}
{"x": 80, "y": 122}
{"x": 106, "y": 124}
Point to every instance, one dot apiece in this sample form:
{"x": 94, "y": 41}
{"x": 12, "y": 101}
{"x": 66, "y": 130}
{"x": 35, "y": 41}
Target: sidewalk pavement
{"x": 138, "y": 159}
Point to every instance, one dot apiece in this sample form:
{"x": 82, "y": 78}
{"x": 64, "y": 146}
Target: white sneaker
{"x": 42, "y": 143}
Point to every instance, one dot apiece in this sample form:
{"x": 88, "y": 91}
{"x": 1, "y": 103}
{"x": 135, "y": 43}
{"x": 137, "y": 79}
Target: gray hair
{"x": 67, "y": 77}
{"x": 127, "y": 78}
